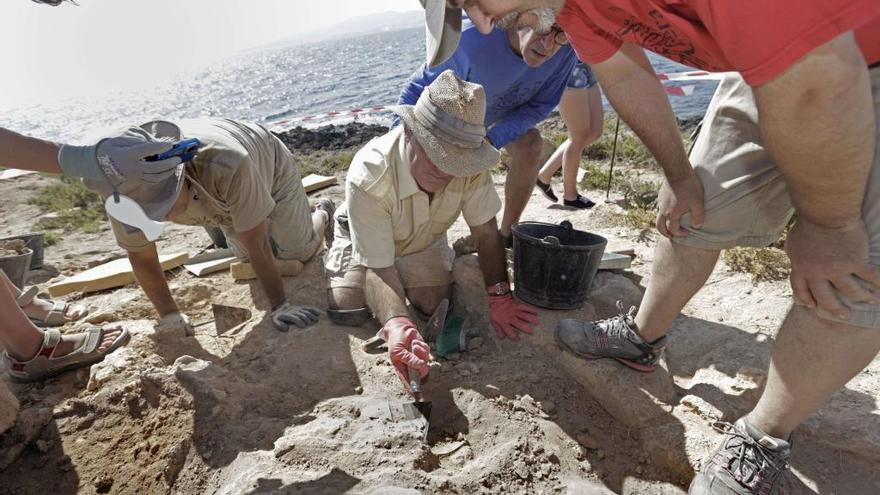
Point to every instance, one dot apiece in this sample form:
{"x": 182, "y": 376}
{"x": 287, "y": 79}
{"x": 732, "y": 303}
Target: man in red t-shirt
{"x": 804, "y": 68}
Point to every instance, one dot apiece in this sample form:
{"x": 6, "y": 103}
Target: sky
{"x": 123, "y": 45}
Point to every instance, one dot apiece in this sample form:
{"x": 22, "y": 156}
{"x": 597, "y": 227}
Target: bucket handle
{"x": 551, "y": 240}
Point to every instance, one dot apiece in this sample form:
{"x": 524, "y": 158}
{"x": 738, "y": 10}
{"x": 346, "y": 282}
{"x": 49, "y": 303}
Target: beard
{"x": 545, "y": 16}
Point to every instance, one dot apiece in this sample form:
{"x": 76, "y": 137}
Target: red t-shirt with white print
{"x": 760, "y": 39}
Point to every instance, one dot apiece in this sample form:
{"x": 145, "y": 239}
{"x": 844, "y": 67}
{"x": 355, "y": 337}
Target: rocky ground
{"x": 255, "y": 411}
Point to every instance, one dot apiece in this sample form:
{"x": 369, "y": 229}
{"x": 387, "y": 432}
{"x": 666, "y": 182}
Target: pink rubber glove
{"x": 406, "y": 348}
{"x": 508, "y": 316}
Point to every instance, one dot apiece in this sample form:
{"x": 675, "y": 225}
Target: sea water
{"x": 269, "y": 85}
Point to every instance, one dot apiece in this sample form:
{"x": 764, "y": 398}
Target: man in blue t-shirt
{"x": 524, "y": 75}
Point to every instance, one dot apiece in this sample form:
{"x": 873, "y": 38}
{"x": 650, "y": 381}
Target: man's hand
{"x": 406, "y": 348}
{"x": 119, "y": 158}
{"x": 677, "y": 198}
{"x": 289, "y": 314}
{"x": 175, "y": 322}
{"x": 509, "y": 316}
{"x": 824, "y": 259}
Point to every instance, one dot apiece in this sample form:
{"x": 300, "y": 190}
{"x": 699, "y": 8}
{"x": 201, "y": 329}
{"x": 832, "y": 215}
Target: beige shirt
{"x": 389, "y": 216}
{"x": 233, "y": 182}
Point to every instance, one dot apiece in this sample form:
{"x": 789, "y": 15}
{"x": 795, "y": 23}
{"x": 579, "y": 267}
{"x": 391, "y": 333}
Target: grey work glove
{"x": 288, "y": 314}
{"x": 175, "y": 323}
{"x": 119, "y": 158}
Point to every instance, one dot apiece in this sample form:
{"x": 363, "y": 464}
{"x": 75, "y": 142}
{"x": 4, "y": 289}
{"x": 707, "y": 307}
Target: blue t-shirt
{"x": 517, "y": 96}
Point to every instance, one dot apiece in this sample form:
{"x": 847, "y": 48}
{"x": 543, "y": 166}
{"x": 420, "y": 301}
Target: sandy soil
{"x": 258, "y": 411}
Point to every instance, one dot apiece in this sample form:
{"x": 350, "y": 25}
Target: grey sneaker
{"x": 616, "y": 338}
{"x": 327, "y": 205}
{"x": 748, "y": 462}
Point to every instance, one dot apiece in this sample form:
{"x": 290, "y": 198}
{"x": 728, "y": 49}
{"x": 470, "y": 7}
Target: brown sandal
{"x": 45, "y": 365}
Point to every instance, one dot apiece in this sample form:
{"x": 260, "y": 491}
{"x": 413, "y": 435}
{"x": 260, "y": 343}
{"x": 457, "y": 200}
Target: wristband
{"x": 499, "y": 289}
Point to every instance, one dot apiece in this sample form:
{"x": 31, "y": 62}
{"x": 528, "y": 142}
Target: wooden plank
{"x": 614, "y": 261}
{"x": 314, "y": 182}
{"x": 211, "y": 262}
{"x": 13, "y": 173}
{"x": 116, "y": 273}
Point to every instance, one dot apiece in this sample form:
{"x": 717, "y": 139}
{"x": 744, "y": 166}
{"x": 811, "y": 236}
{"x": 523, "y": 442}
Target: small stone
{"x": 102, "y": 484}
{"x": 359, "y": 390}
{"x": 639, "y": 470}
{"x": 521, "y": 470}
{"x": 44, "y": 446}
{"x": 600, "y": 454}
{"x": 587, "y": 441}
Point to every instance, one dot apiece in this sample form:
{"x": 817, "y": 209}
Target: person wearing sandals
{"x": 524, "y": 75}
{"x": 403, "y": 191}
{"x": 243, "y": 179}
{"x": 581, "y": 110}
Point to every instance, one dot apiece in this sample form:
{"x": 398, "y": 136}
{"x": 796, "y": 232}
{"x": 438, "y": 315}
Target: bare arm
{"x": 24, "y": 152}
{"x": 490, "y": 251}
{"x": 151, "y": 277}
{"x": 256, "y": 242}
{"x": 385, "y": 294}
{"x": 632, "y": 87}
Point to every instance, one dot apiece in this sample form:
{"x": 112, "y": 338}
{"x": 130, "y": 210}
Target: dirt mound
{"x": 331, "y": 137}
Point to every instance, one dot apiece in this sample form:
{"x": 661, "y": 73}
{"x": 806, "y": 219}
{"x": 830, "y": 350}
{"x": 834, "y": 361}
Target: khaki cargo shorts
{"x": 290, "y": 228}
{"x": 429, "y": 268}
{"x": 747, "y": 201}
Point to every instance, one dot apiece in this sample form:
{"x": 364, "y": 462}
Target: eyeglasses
{"x": 558, "y": 34}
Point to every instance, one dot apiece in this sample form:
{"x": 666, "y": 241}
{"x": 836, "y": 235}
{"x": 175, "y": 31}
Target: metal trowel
{"x": 227, "y": 317}
{"x": 430, "y": 332}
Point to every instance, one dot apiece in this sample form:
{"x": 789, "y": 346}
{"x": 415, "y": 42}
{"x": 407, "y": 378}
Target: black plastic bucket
{"x": 17, "y": 268}
{"x": 35, "y": 243}
{"x": 554, "y": 265}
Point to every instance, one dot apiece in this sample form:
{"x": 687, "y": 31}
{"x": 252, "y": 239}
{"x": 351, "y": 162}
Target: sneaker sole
{"x": 590, "y": 357}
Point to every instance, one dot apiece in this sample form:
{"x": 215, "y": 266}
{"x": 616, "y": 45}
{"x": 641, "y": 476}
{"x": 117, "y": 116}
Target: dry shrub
{"x": 764, "y": 264}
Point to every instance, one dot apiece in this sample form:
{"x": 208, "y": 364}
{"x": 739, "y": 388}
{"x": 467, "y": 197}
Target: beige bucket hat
{"x": 442, "y": 30}
{"x": 448, "y": 122}
{"x": 156, "y": 199}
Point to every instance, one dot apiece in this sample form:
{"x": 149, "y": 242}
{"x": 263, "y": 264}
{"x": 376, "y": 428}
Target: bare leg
{"x": 524, "y": 155}
{"x": 39, "y": 308}
{"x": 812, "y": 358}
{"x": 677, "y": 274}
{"x": 346, "y": 298}
{"x": 23, "y": 340}
{"x": 320, "y": 220}
{"x": 581, "y": 109}
{"x": 426, "y": 299}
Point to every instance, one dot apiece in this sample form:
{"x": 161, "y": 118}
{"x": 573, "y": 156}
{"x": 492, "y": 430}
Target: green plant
{"x": 324, "y": 162}
{"x": 51, "y": 238}
{"x": 73, "y": 206}
{"x": 639, "y": 218}
{"x": 764, "y": 264}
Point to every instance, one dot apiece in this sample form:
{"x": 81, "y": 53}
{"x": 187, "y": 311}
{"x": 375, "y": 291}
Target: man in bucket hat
{"x": 243, "y": 180}
{"x": 403, "y": 191}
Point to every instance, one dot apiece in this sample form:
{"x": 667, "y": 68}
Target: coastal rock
{"x": 330, "y": 137}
